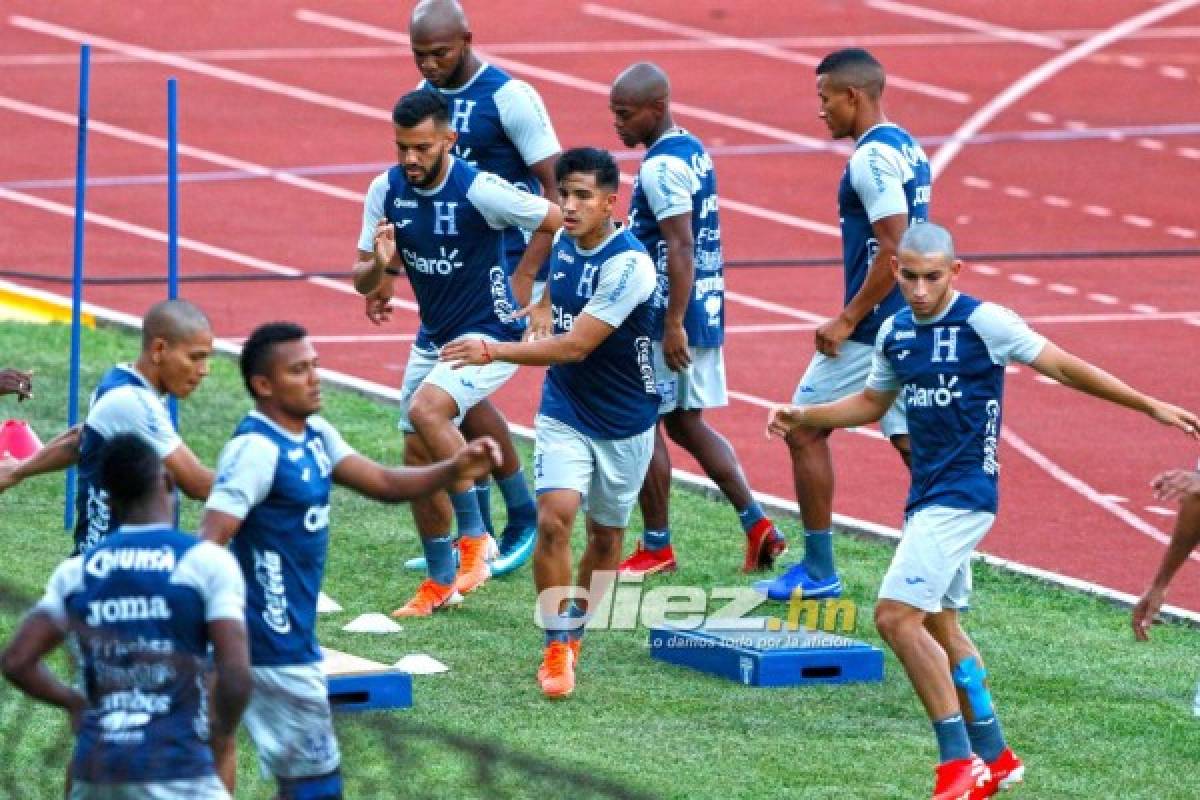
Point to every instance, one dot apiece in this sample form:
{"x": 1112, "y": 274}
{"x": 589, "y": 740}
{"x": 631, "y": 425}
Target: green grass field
{"x": 1093, "y": 714}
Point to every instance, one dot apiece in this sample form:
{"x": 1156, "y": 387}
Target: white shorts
{"x": 701, "y": 385}
{"x": 467, "y": 386}
{"x": 291, "y": 723}
{"x": 931, "y": 569}
{"x": 608, "y": 473}
{"x": 830, "y": 379}
{"x": 207, "y": 788}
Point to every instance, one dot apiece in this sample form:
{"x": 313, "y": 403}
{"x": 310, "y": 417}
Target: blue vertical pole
{"x": 85, "y": 58}
{"x": 173, "y": 209}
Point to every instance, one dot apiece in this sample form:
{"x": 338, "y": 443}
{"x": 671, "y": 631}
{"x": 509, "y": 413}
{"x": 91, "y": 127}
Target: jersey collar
{"x": 295, "y": 437}
{"x": 483, "y": 65}
{"x": 442, "y": 185}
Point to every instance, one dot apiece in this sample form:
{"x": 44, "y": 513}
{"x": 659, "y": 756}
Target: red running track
{"x": 285, "y": 85}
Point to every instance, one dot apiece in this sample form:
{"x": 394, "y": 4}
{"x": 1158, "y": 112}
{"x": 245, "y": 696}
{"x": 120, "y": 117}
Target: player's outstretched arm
{"x": 192, "y": 477}
{"x": 22, "y": 665}
{"x": 862, "y": 408}
{"x": 1072, "y": 371}
{"x": 585, "y": 336}
{"x": 59, "y": 453}
{"x": 1184, "y": 540}
{"x": 538, "y": 249}
{"x": 400, "y": 484}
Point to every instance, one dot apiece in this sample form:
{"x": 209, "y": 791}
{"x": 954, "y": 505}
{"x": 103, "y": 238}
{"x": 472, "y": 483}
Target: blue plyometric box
{"x": 768, "y": 657}
{"x": 359, "y": 684}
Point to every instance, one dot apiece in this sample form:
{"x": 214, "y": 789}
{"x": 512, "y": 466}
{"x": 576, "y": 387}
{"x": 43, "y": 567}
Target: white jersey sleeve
{"x": 1007, "y": 337}
{"x": 669, "y": 184}
{"x": 135, "y": 409}
{"x": 66, "y": 579}
{"x": 626, "y": 281}
{"x": 335, "y": 446}
{"x": 882, "y": 377}
{"x": 523, "y": 117}
{"x": 877, "y": 173}
{"x": 504, "y": 205}
{"x": 373, "y": 211}
{"x": 214, "y": 573}
{"x": 245, "y": 472}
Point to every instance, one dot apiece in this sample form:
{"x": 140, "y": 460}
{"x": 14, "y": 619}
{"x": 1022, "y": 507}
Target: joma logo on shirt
{"x": 126, "y": 609}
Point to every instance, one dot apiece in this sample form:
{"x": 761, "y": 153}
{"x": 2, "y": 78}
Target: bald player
{"x": 502, "y": 128}
{"x": 674, "y": 214}
{"x": 177, "y": 341}
{"x": 884, "y": 189}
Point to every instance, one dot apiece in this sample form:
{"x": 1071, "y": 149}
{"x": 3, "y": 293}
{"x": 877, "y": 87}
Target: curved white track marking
{"x": 758, "y": 47}
{"x": 1091, "y": 495}
{"x": 994, "y": 107}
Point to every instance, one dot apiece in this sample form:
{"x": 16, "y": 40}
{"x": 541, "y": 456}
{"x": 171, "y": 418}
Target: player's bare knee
{"x": 415, "y": 453}
{"x": 801, "y": 438}
{"x": 893, "y": 620}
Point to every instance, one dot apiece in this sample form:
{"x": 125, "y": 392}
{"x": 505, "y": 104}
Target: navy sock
{"x": 953, "y": 742}
{"x": 750, "y": 515}
{"x": 578, "y": 619}
{"x": 483, "y": 496}
{"x": 818, "y": 553}
{"x": 517, "y": 499}
{"x": 555, "y": 626}
{"x": 466, "y": 513}
{"x": 439, "y": 559}
{"x": 656, "y": 540}
{"x": 987, "y": 739}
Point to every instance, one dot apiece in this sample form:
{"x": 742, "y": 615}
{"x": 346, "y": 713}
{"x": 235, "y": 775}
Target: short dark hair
{"x": 855, "y": 67}
{"x": 417, "y": 106}
{"x": 129, "y": 470}
{"x": 591, "y": 160}
{"x": 258, "y": 349}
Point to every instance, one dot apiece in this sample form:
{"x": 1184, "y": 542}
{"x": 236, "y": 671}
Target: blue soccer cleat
{"x": 797, "y": 579}
{"x": 516, "y": 546}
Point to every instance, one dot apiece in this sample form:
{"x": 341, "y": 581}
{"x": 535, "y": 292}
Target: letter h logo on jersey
{"x": 445, "y": 215}
{"x": 586, "y": 277}
{"x": 945, "y": 345}
{"x": 460, "y": 118}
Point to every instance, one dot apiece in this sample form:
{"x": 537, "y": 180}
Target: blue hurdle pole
{"x": 85, "y": 58}
{"x": 173, "y": 209}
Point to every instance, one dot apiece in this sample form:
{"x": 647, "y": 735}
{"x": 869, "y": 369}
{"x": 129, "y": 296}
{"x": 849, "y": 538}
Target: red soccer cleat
{"x": 764, "y": 544}
{"x": 1006, "y": 772}
{"x": 960, "y": 779}
{"x": 648, "y": 562}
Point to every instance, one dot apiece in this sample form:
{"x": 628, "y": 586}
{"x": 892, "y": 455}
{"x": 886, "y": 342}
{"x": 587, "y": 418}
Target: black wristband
{"x": 391, "y": 270}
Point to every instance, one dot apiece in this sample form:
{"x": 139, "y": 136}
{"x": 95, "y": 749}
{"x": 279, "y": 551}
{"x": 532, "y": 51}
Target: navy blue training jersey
{"x": 677, "y": 177}
{"x": 887, "y": 175}
{"x": 139, "y": 603}
{"x": 123, "y": 402}
{"x": 278, "y": 483}
{"x": 610, "y": 394}
{"x": 451, "y": 240}
{"x": 950, "y": 373}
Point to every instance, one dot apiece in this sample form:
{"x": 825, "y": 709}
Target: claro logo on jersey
{"x": 268, "y": 571}
{"x": 443, "y": 264}
{"x": 942, "y": 395}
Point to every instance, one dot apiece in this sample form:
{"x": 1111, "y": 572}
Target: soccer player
{"x": 502, "y": 128}
{"x": 674, "y": 213}
{"x": 131, "y": 398}
{"x": 946, "y": 353}
{"x": 144, "y": 604}
{"x": 272, "y": 500}
{"x": 885, "y": 188}
{"x": 445, "y": 226}
{"x": 599, "y": 401}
